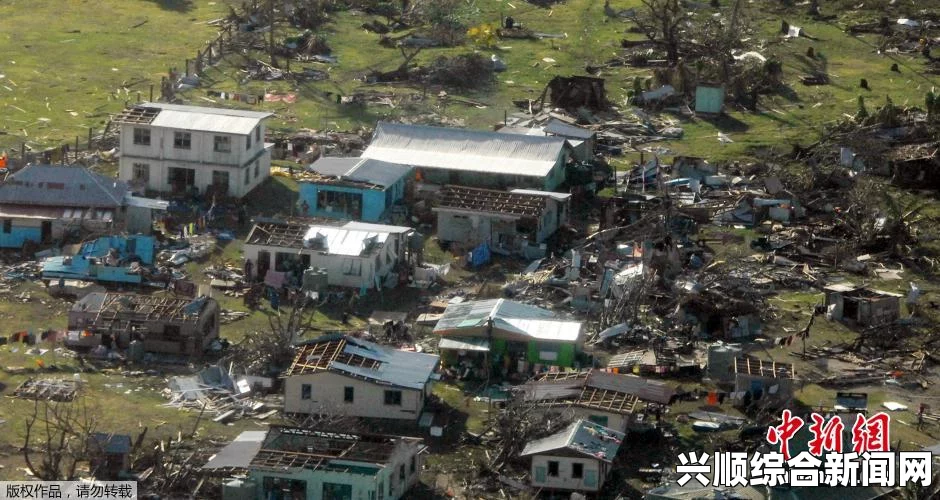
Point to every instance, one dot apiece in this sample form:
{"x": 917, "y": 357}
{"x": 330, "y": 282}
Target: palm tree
{"x": 901, "y": 219}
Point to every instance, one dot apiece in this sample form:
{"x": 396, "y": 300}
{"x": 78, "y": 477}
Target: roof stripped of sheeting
{"x": 297, "y": 448}
{"x": 363, "y": 359}
{"x": 761, "y": 368}
{"x": 286, "y": 234}
{"x": 551, "y": 384}
{"x": 196, "y": 118}
{"x": 507, "y": 316}
{"x": 468, "y": 150}
{"x": 137, "y": 307}
{"x": 490, "y": 201}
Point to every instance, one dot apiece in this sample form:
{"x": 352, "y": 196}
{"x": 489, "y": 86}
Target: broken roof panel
{"x": 239, "y": 453}
{"x": 196, "y": 118}
{"x": 465, "y": 344}
{"x": 138, "y": 307}
{"x": 364, "y": 359}
{"x": 550, "y": 194}
{"x": 583, "y": 437}
{"x": 463, "y": 149}
{"x": 558, "y": 127}
{"x": 361, "y": 170}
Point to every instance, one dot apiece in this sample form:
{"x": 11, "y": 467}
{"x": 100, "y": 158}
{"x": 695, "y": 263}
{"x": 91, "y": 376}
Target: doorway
{"x": 264, "y": 263}
{"x": 45, "y": 231}
{"x": 181, "y": 180}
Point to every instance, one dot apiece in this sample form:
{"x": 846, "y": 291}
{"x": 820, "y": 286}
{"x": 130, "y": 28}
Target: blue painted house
{"x": 117, "y": 259}
{"x": 42, "y": 203}
{"x": 352, "y": 188}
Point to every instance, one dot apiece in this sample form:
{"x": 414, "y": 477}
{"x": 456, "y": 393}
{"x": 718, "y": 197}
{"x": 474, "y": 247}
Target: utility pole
{"x": 271, "y": 39}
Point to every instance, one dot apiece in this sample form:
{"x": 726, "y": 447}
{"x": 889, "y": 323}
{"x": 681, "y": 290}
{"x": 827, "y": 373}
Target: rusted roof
{"x": 490, "y": 201}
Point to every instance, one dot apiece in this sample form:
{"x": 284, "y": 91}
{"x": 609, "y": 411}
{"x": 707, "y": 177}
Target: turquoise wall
{"x": 18, "y": 235}
{"x": 374, "y": 202}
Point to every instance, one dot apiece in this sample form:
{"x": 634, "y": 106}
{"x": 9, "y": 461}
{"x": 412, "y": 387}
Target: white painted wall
{"x": 161, "y": 154}
{"x": 379, "y": 265}
{"x": 564, "y": 480}
{"x": 328, "y": 391}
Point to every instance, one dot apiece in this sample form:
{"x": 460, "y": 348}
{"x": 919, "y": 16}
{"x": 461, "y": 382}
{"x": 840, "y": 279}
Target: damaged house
{"x": 348, "y": 377}
{"x": 576, "y": 459}
{"x": 353, "y": 188}
{"x": 354, "y": 254}
{"x": 42, "y": 203}
{"x": 507, "y": 337}
{"x": 604, "y": 398}
{"x": 162, "y": 324}
{"x": 172, "y": 148}
{"x": 517, "y": 222}
{"x": 915, "y": 165}
{"x": 476, "y": 158}
{"x": 321, "y": 464}
{"x": 861, "y": 305}
{"x": 767, "y": 383}
{"x": 581, "y": 140}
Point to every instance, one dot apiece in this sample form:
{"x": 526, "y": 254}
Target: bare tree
{"x": 663, "y": 21}
{"x": 264, "y": 350}
{"x": 56, "y": 438}
{"x": 518, "y": 423}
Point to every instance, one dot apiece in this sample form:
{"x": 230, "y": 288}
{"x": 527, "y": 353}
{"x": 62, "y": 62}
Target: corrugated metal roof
{"x": 643, "y": 388}
{"x": 550, "y": 194}
{"x": 365, "y": 170}
{"x": 582, "y": 436}
{"x": 514, "y": 317}
{"x": 396, "y": 367}
{"x": 462, "y": 149}
{"x": 21, "y": 212}
{"x": 355, "y": 225}
{"x": 558, "y": 127}
{"x": 239, "y": 453}
{"x": 58, "y": 186}
{"x": 465, "y": 344}
{"x": 205, "y": 119}
{"x": 353, "y": 238}
{"x": 136, "y": 201}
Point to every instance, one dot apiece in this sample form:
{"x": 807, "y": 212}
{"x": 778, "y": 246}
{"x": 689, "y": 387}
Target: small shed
{"x": 767, "y": 382}
{"x": 576, "y": 459}
{"x": 861, "y": 305}
{"x": 109, "y": 454}
{"x": 709, "y": 99}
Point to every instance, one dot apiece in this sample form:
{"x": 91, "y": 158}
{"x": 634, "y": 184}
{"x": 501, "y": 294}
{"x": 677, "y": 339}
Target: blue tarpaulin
{"x": 480, "y": 255}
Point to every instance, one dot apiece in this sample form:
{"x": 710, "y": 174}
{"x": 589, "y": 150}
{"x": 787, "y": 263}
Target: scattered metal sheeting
{"x": 47, "y": 389}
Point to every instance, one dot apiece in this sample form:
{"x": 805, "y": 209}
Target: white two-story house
{"x": 171, "y": 148}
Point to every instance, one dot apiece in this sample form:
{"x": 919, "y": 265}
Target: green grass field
{"x": 67, "y": 64}
{"x": 65, "y": 73}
